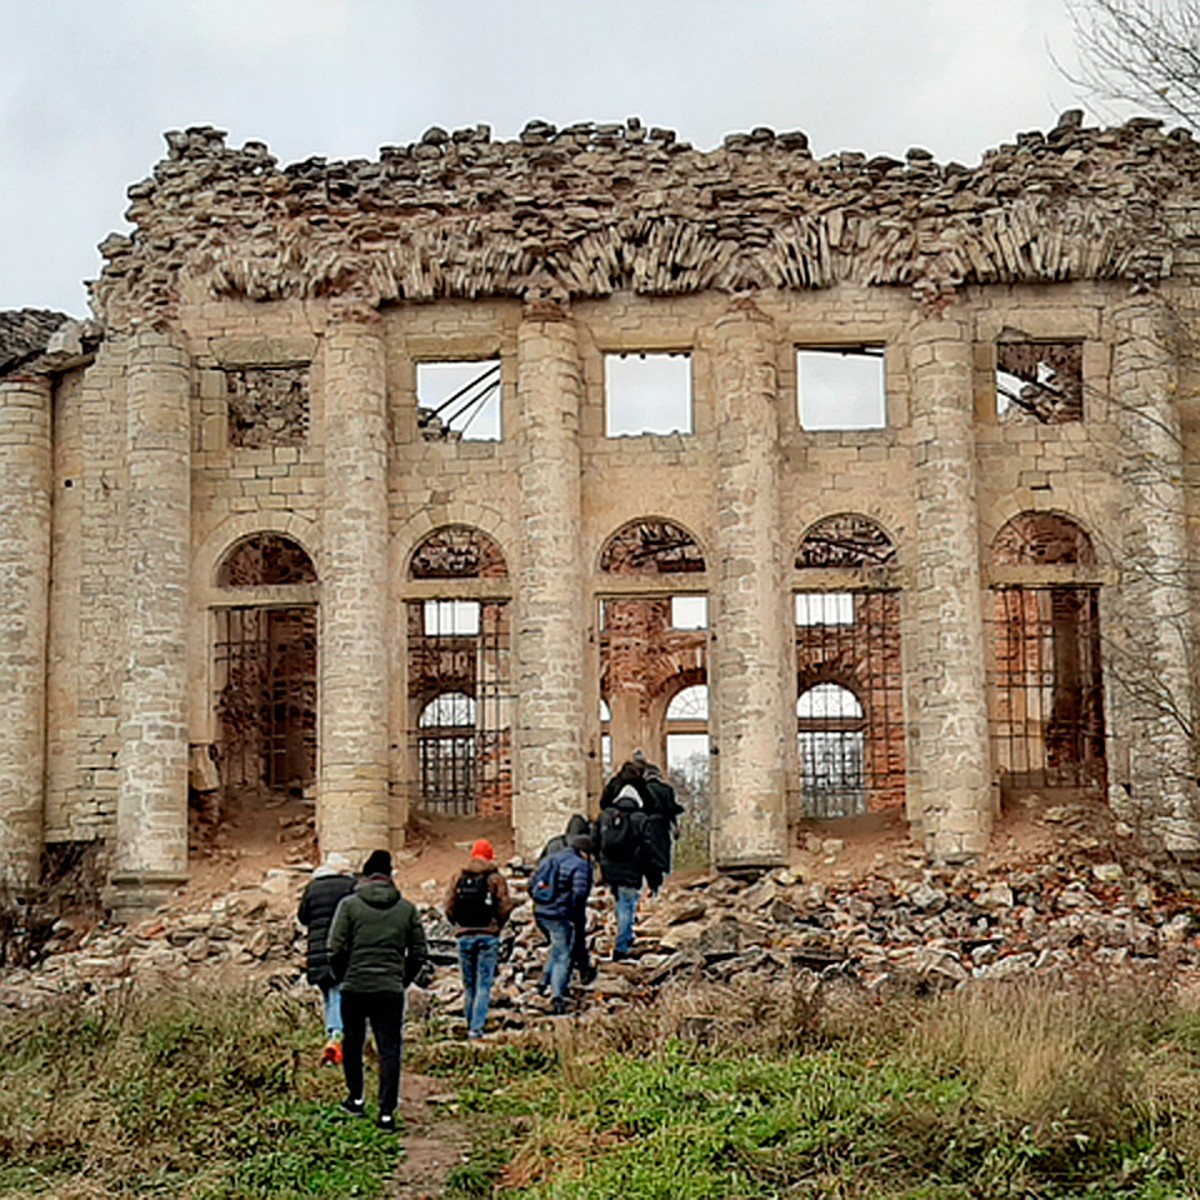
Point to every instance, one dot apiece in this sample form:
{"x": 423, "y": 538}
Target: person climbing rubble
{"x": 621, "y": 851}
{"x": 559, "y": 888}
{"x": 331, "y": 882}
{"x": 478, "y": 905}
{"x": 581, "y": 957}
{"x": 377, "y": 947}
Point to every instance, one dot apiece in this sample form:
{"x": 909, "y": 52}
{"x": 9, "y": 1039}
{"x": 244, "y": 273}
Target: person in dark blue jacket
{"x": 561, "y": 916}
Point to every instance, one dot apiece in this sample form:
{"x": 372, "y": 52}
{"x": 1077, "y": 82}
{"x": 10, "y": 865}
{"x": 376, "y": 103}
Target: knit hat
{"x": 581, "y": 842}
{"x": 483, "y": 849}
{"x": 379, "y": 862}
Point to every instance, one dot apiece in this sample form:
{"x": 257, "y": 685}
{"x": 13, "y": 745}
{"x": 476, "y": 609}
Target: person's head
{"x": 338, "y": 862}
{"x": 581, "y": 843}
{"x": 379, "y": 862}
{"x": 483, "y": 849}
{"x": 578, "y": 824}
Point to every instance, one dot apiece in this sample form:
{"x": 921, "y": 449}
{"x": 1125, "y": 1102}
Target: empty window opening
{"x": 451, "y": 618}
{"x": 460, "y": 706}
{"x": 689, "y": 612}
{"x": 459, "y": 401}
{"x": 841, "y": 387}
{"x": 850, "y": 706}
{"x": 1047, "y": 688}
{"x": 832, "y": 747}
{"x": 458, "y": 552}
{"x": 1039, "y": 382}
{"x": 845, "y": 540}
{"x": 824, "y": 608}
{"x": 265, "y": 698}
{"x": 647, "y": 393}
{"x": 266, "y": 559}
{"x": 651, "y": 546}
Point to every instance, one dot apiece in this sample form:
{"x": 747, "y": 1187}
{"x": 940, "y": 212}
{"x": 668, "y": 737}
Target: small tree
{"x": 1140, "y": 52}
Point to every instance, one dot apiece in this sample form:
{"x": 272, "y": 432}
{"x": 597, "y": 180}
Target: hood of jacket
{"x": 578, "y": 824}
{"x": 378, "y": 891}
{"x": 480, "y": 866}
{"x": 627, "y": 799}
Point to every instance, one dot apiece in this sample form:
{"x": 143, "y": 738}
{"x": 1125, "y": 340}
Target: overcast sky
{"x": 86, "y": 89}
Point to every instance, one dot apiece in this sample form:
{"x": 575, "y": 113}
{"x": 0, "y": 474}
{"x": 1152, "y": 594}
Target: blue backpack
{"x": 543, "y": 886}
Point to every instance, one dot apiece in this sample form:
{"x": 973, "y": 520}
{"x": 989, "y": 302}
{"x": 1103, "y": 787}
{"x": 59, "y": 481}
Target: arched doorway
{"x": 831, "y": 735}
{"x": 1047, "y": 688}
{"x": 265, "y": 667}
{"x": 459, "y": 693}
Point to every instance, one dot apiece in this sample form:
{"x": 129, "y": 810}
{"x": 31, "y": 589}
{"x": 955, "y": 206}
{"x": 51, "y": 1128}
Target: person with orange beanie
{"x": 478, "y": 904}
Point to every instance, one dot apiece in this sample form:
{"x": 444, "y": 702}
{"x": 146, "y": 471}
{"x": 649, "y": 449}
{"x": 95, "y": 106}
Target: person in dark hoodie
{"x": 662, "y": 825}
{"x": 377, "y": 948}
{"x": 478, "y": 904}
{"x": 581, "y": 958}
{"x": 331, "y": 882}
{"x": 621, "y": 851}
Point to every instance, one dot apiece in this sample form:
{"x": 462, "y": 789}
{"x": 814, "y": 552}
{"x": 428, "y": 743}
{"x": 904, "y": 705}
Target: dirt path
{"x": 433, "y": 1144}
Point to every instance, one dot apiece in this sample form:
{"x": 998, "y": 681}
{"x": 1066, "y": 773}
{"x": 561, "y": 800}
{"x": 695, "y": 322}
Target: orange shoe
{"x": 332, "y": 1056}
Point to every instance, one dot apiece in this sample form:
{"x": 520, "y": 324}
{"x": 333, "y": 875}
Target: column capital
{"x": 354, "y": 312}
{"x": 544, "y": 309}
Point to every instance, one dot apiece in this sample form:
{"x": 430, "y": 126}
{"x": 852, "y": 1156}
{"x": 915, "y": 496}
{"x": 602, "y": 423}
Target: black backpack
{"x": 618, "y": 838}
{"x": 474, "y": 905}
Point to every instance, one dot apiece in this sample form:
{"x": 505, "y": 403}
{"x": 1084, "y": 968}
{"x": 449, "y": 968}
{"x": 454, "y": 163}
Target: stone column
{"x": 551, "y": 778}
{"x": 353, "y": 816}
{"x": 1150, "y": 649}
{"x": 947, "y": 682}
{"x": 26, "y": 482}
{"x": 753, "y": 673}
{"x": 152, "y": 808}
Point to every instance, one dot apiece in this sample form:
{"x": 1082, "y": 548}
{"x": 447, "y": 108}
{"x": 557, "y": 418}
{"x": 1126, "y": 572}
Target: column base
{"x": 130, "y": 896}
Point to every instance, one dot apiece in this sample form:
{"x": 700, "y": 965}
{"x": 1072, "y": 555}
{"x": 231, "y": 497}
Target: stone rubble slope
{"x": 902, "y": 927}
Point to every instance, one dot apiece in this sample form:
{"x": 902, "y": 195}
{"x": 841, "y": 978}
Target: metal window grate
{"x": 850, "y": 706}
{"x": 1047, "y": 688}
{"x": 460, "y": 706}
{"x": 265, "y": 693}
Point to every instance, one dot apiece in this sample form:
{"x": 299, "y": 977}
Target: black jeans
{"x": 385, "y": 1011}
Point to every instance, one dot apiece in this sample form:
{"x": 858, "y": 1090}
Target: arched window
{"x": 831, "y": 732}
{"x": 266, "y": 559}
{"x": 458, "y": 552}
{"x": 691, "y": 704}
{"x": 651, "y": 546}
{"x": 845, "y": 540}
{"x": 1042, "y": 539}
{"x": 451, "y": 709}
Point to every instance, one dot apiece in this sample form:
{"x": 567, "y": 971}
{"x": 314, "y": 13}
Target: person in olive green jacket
{"x": 377, "y": 948}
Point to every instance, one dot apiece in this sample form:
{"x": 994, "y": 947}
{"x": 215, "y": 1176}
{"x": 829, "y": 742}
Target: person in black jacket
{"x": 621, "y": 850}
{"x": 662, "y": 825}
{"x": 331, "y": 881}
{"x": 377, "y": 947}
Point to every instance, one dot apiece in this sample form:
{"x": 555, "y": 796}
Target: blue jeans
{"x": 331, "y": 993}
{"x": 478, "y": 956}
{"x": 627, "y": 902}
{"x": 558, "y": 964}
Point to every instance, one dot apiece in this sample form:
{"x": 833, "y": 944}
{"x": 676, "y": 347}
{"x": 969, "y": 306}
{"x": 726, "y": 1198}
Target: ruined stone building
{"x": 444, "y": 481}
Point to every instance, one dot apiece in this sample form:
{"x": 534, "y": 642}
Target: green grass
{"x": 1014, "y": 1092}
{"x": 1031, "y": 1090}
{"x": 188, "y": 1094}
